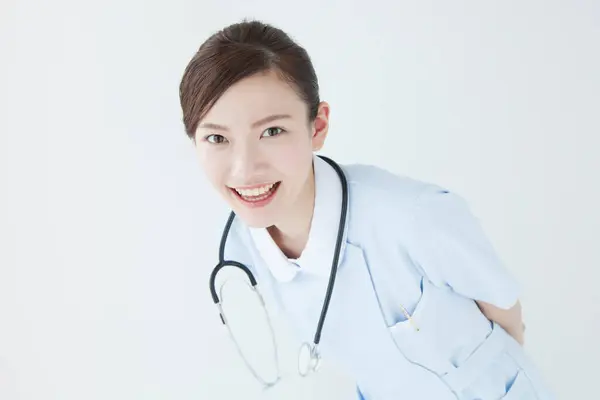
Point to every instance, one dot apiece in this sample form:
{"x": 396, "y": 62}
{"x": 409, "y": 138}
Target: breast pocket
{"x": 443, "y": 331}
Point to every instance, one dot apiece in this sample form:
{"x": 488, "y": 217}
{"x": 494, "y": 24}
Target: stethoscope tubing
{"x": 332, "y": 275}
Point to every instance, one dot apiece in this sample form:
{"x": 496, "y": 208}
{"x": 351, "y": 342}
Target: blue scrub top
{"x": 411, "y": 249}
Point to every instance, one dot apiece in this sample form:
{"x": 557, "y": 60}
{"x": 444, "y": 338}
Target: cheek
{"x": 212, "y": 166}
{"x": 294, "y": 161}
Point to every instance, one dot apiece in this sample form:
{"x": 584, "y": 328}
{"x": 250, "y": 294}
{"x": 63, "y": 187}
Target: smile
{"x": 257, "y": 196}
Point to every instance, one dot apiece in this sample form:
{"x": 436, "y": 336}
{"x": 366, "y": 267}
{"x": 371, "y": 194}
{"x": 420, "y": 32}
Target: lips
{"x": 255, "y": 192}
{"x": 256, "y": 196}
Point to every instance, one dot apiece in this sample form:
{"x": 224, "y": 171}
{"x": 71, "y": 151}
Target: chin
{"x": 254, "y": 219}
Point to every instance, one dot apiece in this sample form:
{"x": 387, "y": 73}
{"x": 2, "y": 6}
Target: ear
{"x": 320, "y": 126}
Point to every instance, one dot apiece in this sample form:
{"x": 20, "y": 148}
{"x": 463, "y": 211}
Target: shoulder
{"x": 378, "y": 195}
{"x": 375, "y": 186}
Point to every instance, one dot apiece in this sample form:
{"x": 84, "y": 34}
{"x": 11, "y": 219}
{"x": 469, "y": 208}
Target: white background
{"x": 108, "y": 230}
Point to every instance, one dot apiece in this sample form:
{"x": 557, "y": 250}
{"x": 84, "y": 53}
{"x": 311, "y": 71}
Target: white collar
{"x": 318, "y": 255}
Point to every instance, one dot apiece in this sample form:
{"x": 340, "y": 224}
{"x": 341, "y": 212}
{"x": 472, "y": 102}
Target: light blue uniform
{"x": 409, "y": 247}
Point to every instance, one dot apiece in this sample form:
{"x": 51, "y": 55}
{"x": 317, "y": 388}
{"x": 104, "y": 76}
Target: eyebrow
{"x": 262, "y": 121}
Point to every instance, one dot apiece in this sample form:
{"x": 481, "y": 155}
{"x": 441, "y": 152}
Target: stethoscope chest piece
{"x": 309, "y": 359}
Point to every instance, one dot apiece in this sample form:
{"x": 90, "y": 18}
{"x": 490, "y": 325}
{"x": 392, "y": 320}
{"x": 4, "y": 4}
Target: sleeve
{"x": 450, "y": 246}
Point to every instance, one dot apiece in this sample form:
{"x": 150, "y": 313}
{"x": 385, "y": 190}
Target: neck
{"x": 291, "y": 235}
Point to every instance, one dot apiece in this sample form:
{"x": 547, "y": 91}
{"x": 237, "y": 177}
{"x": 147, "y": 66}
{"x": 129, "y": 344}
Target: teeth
{"x": 255, "y": 191}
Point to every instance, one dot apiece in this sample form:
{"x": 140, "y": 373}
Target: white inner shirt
{"x": 318, "y": 253}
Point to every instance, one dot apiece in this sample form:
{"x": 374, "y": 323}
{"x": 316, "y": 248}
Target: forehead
{"x": 253, "y": 98}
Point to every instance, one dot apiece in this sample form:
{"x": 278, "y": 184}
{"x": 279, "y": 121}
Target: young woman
{"x": 421, "y": 306}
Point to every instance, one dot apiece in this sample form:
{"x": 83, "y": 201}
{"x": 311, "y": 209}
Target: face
{"x": 256, "y": 147}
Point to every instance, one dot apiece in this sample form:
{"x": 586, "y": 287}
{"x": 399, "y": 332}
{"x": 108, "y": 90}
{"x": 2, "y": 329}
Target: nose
{"x": 246, "y": 164}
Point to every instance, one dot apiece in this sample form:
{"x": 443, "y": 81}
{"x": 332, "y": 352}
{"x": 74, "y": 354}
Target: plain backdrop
{"x": 108, "y": 229}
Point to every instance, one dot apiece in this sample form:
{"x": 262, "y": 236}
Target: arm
{"x": 510, "y": 320}
{"x": 451, "y": 247}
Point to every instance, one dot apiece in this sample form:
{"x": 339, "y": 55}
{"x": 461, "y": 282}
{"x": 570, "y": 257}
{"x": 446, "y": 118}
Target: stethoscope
{"x": 309, "y": 358}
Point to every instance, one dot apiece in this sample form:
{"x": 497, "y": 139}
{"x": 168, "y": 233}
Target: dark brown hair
{"x": 236, "y": 52}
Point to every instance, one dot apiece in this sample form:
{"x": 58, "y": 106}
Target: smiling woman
{"x": 422, "y": 306}
{"x": 250, "y": 98}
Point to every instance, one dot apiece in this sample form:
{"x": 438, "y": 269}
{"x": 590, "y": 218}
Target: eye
{"x": 216, "y": 139}
{"x": 273, "y": 131}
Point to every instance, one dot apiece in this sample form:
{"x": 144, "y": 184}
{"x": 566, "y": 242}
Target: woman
{"x": 422, "y": 307}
